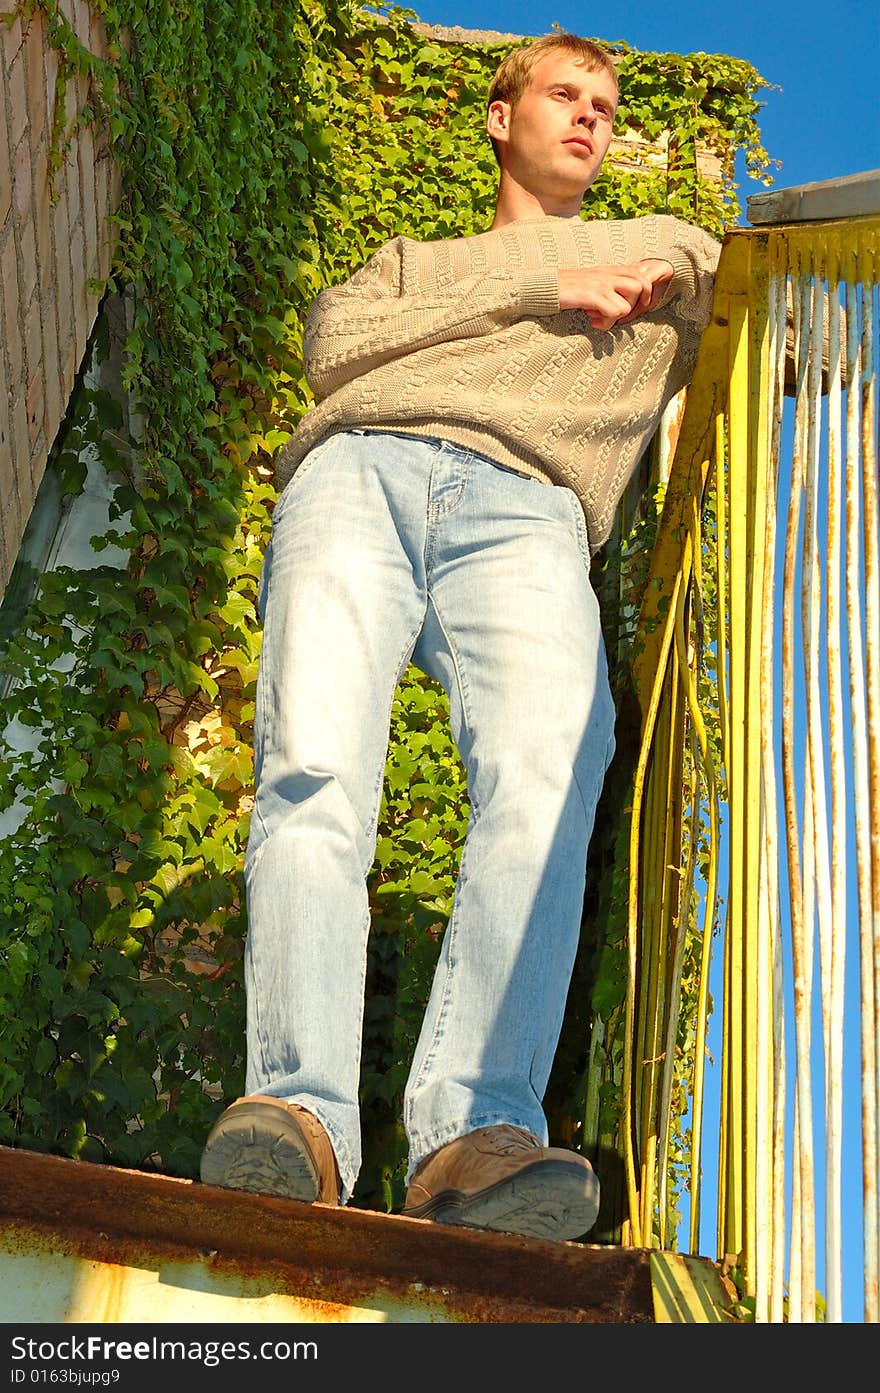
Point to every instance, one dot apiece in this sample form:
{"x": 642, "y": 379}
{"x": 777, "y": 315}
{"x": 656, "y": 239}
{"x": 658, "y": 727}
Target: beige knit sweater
{"x": 464, "y": 339}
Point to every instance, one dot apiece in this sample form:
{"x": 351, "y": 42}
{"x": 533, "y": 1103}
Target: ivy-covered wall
{"x": 266, "y": 149}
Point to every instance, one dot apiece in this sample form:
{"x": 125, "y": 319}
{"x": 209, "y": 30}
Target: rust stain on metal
{"x": 330, "y": 1260}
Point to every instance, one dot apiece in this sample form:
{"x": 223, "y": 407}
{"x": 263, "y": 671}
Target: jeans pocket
{"x": 305, "y": 466}
{"x": 579, "y": 522}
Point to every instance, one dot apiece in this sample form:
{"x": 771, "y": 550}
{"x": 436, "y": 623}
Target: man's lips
{"x": 581, "y": 143}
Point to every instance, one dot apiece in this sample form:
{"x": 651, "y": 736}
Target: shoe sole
{"x": 549, "y": 1200}
{"x": 260, "y": 1148}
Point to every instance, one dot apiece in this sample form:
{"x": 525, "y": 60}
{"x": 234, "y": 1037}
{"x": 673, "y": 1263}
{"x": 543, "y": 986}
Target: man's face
{"x": 553, "y": 141}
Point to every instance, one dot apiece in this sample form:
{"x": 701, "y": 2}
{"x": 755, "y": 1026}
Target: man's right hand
{"x": 610, "y": 295}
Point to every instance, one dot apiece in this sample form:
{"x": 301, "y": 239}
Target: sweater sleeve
{"x": 369, "y": 320}
{"x": 693, "y": 255}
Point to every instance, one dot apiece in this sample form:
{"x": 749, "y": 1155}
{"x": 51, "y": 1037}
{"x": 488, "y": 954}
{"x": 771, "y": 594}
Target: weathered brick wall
{"x": 54, "y": 238}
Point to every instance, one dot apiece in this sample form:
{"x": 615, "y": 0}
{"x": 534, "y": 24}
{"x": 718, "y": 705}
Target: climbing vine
{"x": 265, "y": 151}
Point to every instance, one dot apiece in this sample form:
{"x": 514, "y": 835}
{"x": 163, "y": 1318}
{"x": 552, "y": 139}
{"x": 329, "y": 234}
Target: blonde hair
{"x": 514, "y": 73}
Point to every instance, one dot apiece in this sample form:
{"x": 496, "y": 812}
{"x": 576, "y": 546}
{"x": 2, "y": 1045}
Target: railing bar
{"x": 645, "y": 939}
{"x": 669, "y": 818}
{"x": 795, "y": 1274}
{"x": 633, "y": 1228}
{"x": 652, "y": 945}
{"x": 723, "y": 438}
{"x": 801, "y": 1190}
{"x": 650, "y": 893}
{"x": 673, "y": 1013}
{"x": 779, "y": 1101}
{"x": 722, "y": 484}
{"x": 711, "y": 901}
{"x": 738, "y": 1159}
{"x": 756, "y": 973}
{"x": 701, "y": 758}
{"x": 711, "y": 904}
{"x": 711, "y": 897}
{"x": 755, "y": 963}
{"x": 664, "y": 795}
{"x": 682, "y": 940}
{"x": 872, "y": 627}
{"x": 858, "y": 720}
{"x": 722, "y": 487}
{"x": 763, "y": 1158}
{"x": 807, "y": 1132}
{"x": 768, "y": 1218}
{"x": 833, "y": 991}
{"x": 724, "y": 1119}
{"x": 861, "y": 796}
{"x": 771, "y": 824}
{"x": 650, "y": 876}
{"x": 650, "y": 956}
{"x": 819, "y": 882}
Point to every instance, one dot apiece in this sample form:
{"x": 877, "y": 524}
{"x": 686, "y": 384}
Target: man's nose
{"x": 587, "y": 115}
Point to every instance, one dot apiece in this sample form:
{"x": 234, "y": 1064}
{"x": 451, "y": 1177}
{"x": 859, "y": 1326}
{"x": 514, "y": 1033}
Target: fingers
{"x": 610, "y": 295}
{"x": 646, "y": 296}
{"x": 634, "y": 288}
{"x": 625, "y": 295}
{"x": 658, "y": 273}
{"x": 647, "y": 289}
{"x": 652, "y": 275}
{"x": 609, "y": 308}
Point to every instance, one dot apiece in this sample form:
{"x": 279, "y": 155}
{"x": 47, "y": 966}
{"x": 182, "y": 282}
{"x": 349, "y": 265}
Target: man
{"x": 480, "y": 405}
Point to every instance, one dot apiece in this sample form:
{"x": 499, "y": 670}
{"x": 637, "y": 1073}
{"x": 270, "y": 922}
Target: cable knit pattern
{"x": 464, "y": 339}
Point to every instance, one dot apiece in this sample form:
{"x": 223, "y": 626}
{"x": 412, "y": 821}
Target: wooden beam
{"x": 855, "y": 196}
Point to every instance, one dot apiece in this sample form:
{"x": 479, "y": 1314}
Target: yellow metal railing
{"x": 757, "y": 672}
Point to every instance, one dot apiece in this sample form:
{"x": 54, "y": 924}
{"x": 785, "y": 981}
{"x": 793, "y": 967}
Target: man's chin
{"x": 580, "y": 177}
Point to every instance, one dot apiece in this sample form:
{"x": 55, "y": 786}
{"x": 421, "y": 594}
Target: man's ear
{"x": 498, "y": 121}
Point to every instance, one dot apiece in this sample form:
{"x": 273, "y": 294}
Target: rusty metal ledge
{"x": 103, "y": 1243}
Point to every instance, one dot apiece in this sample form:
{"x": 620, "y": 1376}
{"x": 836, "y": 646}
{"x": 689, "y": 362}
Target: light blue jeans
{"x": 386, "y": 548}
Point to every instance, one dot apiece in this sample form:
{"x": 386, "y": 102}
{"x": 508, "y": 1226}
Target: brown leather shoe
{"x": 273, "y": 1148}
{"x": 503, "y": 1178}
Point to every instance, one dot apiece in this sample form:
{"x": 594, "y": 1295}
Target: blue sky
{"x": 822, "y": 123}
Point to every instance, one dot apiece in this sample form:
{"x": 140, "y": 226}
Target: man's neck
{"x": 515, "y": 202}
